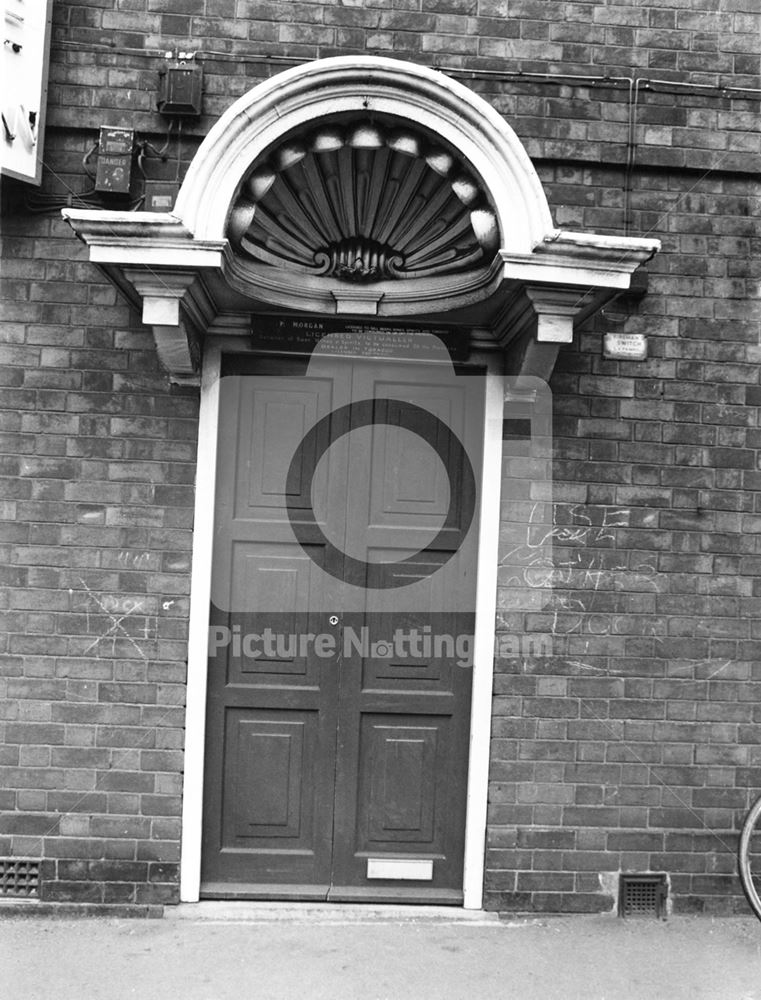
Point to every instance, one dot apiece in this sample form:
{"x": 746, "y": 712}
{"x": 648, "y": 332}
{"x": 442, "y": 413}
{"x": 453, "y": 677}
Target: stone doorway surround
{"x": 413, "y": 200}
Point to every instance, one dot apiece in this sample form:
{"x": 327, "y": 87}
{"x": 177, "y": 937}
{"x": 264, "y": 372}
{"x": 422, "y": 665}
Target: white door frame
{"x": 483, "y": 654}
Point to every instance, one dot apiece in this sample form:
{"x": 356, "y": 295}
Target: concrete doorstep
{"x": 222, "y": 911}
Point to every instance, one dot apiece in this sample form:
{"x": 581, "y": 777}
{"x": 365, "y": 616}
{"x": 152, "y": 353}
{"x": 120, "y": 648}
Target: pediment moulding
{"x": 362, "y": 186}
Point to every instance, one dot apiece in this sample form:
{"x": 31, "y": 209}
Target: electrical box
{"x": 114, "y": 160}
{"x": 160, "y": 196}
{"x": 180, "y": 87}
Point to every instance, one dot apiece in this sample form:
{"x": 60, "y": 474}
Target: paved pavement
{"x": 221, "y": 951}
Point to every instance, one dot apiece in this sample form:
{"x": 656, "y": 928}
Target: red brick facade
{"x": 634, "y": 745}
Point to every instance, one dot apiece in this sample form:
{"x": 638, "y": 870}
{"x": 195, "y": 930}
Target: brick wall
{"x": 633, "y": 745}
{"x": 97, "y": 473}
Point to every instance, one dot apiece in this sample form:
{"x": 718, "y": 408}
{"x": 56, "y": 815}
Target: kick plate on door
{"x": 417, "y": 869}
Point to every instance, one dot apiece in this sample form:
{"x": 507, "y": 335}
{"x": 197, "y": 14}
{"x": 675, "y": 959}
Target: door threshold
{"x": 282, "y": 912}
{"x": 362, "y": 895}
{"x": 394, "y": 894}
{"x": 264, "y": 892}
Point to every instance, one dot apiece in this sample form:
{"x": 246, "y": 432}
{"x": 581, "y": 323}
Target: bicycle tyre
{"x": 743, "y": 858}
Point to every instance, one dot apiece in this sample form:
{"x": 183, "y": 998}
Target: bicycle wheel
{"x": 749, "y": 857}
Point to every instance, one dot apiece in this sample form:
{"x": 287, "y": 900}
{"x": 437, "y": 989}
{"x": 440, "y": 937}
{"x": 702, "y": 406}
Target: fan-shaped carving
{"x": 363, "y": 202}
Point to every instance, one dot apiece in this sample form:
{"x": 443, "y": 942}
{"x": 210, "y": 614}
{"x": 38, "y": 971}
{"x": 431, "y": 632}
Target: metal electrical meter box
{"x": 180, "y": 88}
{"x": 114, "y": 160}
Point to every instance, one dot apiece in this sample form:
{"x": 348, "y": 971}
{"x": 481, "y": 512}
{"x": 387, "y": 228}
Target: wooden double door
{"x": 338, "y": 692}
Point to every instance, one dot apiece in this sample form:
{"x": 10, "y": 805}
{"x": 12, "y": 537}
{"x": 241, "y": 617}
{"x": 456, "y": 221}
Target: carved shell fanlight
{"x": 363, "y": 202}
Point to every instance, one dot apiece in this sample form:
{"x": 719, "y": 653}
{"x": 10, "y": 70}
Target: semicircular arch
{"x": 344, "y": 86}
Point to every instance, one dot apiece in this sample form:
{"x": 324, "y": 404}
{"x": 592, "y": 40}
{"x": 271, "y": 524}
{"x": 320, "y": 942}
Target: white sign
{"x": 24, "y": 86}
{"x": 414, "y": 869}
{"x": 625, "y": 346}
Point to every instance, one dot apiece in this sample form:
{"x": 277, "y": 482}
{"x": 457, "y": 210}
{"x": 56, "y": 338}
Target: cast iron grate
{"x": 642, "y": 895}
{"x": 19, "y": 877}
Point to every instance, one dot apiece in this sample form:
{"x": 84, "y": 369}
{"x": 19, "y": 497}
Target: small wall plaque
{"x": 625, "y": 346}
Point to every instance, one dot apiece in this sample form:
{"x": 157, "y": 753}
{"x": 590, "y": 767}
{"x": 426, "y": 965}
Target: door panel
{"x": 272, "y": 422}
{"x": 272, "y": 736}
{"x": 267, "y": 797}
{"x": 401, "y": 766}
{"x": 272, "y": 710}
{"x": 275, "y": 573}
{"x": 341, "y": 776}
{"x": 397, "y": 779}
{"x": 407, "y": 708}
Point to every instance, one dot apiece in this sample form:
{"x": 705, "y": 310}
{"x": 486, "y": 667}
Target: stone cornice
{"x": 181, "y": 271}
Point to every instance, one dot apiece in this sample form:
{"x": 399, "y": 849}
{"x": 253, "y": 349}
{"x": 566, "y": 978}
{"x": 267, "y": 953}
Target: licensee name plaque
{"x": 299, "y": 334}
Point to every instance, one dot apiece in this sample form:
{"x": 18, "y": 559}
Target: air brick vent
{"x": 19, "y": 877}
{"x": 642, "y": 896}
